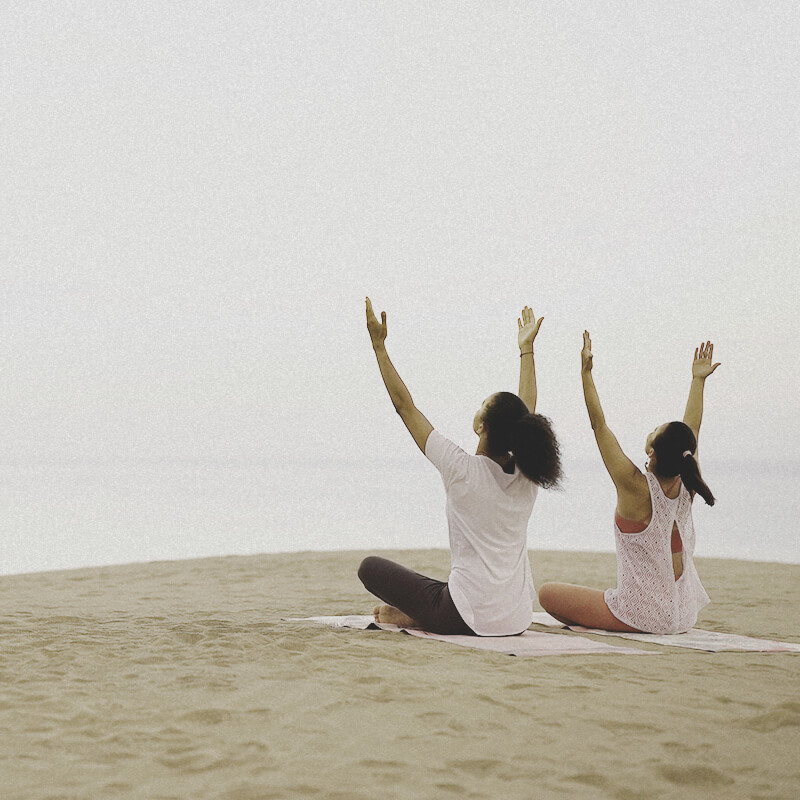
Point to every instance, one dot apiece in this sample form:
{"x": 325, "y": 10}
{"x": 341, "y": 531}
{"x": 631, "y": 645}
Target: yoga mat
{"x": 694, "y": 639}
{"x": 529, "y": 643}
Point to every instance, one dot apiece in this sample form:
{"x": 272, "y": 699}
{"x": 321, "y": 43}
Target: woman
{"x": 658, "y": 589}
{"x": 490, "y": 498}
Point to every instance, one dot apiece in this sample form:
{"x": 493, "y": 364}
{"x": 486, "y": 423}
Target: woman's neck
{"x": 483, "y": 450}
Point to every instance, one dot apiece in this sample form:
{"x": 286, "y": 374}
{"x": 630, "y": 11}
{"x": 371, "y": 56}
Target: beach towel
{"x": 529, "y": 643}
{"x": 694, "y": 639}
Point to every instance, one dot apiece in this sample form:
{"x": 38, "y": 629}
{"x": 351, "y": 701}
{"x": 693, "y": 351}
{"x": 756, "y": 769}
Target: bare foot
{"x": 393, "y": 616}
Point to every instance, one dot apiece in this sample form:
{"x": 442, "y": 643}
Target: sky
{"x": 198, "y": 197}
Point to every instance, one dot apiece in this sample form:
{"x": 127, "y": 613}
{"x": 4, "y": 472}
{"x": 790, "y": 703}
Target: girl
{"x": 658, "y": 589}
{"x": 490, "y": 498}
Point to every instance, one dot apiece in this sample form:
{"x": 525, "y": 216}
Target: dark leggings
{"x": 425, "y": 600}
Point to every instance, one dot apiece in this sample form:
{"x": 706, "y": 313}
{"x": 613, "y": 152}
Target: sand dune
{"x": 180, "y": 680}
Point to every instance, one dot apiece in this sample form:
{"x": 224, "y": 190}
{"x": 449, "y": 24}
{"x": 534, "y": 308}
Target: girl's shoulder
{"x": 634, "y": 501}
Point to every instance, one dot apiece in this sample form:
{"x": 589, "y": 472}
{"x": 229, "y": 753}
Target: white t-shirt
{"x": 487, "y": 518}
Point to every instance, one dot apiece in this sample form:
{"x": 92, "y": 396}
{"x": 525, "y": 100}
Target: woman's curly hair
{"x": 530, "y": 438}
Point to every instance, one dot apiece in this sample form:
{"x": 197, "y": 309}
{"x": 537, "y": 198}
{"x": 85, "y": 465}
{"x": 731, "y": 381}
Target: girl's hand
{"x": 377, "y": 330}
{"x": 586, "y": 353}
{"x": 702, "y": 366}
{"x": 528, "y": 328}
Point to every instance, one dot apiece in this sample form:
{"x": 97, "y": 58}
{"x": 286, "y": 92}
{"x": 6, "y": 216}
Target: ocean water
{"x": 61, "y": 516}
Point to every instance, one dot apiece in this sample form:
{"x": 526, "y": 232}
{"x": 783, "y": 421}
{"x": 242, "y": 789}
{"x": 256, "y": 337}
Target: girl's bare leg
{"x": 580, "y": 605}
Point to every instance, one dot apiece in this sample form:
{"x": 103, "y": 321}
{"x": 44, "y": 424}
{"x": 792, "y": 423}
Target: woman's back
{"x": 487, "y": 517}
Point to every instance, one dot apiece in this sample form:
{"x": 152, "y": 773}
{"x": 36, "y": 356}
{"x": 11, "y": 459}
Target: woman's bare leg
{"x": 580, "y": 605}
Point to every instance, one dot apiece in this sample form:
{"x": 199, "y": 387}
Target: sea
{"x": 72, "y": 515}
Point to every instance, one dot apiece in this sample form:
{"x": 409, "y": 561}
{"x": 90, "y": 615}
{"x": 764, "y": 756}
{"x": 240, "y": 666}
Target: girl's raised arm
{"x": 701, "y": 369}
{"x": 622, "y": 470}
{"x": 417, "y": 425}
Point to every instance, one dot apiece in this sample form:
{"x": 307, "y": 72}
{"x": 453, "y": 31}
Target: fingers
{"x": 586, "y": 352}
{"x": 372, "y": 321}
{"x": 527, "y": 318}
{"x": 705, "y": 351}
{"x": 370, "y": 310}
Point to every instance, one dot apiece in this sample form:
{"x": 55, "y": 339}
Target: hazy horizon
{"x": 198, "y": 199}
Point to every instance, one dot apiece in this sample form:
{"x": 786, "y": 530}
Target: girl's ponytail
{"x": 692, "y": 480}
{"x": 674, "y": 449}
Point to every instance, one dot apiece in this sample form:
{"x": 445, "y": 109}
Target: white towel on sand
{"x": 529, "y": 643}
{"x": 694, "y": 639}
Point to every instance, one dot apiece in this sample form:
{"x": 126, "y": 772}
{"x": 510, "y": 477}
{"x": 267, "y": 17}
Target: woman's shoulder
{"x": 437, "y": 440}
{"x": 445, "y": 455}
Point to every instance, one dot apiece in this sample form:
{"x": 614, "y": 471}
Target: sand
{"x": 180, "y": 680}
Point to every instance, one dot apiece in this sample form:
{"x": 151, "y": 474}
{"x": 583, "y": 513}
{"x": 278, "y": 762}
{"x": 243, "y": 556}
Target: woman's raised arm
{"x": 414, "y": 420}
{"x": 528, "y": 328}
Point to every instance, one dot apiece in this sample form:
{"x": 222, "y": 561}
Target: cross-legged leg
{"x": 580, "y": 605}
{"x": 413, "y": 600}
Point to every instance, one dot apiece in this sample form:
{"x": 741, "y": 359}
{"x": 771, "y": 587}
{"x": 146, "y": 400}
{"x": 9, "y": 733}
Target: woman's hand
{"x": 377, "y": 330}
{"x": 586, "y": 353}
{"x": 413, "y": 419}
{"x": 528, "y": 328}
{"x": 702, "y": 366}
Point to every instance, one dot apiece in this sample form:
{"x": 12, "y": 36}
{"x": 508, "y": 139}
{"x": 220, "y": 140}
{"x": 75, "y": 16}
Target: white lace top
{"x": 647, "y": 596}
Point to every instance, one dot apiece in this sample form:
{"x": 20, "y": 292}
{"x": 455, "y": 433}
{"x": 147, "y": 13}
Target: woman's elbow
{"x": 404, "y": 409}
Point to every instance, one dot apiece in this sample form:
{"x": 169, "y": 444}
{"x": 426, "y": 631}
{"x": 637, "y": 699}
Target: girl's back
{"x": 648, "y": 596}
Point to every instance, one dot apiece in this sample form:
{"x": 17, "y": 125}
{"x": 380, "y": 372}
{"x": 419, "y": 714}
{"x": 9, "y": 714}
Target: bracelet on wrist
{"x": 526, "y": 353}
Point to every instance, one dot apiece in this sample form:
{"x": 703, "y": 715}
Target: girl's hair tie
{"x": 687, "y": 453}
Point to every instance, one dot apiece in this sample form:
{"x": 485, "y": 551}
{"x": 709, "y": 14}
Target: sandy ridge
{"x": 179, "y": 680}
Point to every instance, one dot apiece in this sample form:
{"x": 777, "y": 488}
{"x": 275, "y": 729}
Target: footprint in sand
{"x": 207, "y": 716}
{"x": 782, "y": 716}
{"x": 590, "y": 779}
{"x": 697, "y": 776}
{"x": 478, "y": 767}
